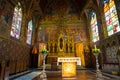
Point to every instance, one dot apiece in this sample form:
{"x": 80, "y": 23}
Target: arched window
{"x": 94, "y": 27}
{"x": 29, "y": 32}
{"x": 16, "y": 22}
{"x": 111, "y": 17}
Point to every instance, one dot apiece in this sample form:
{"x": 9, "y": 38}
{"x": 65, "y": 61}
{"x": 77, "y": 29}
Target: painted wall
{"x": 13, "y": 52}
{"x": 71, "y": 25}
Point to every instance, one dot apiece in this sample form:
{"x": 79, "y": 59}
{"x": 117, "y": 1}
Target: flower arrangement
{"x": 95, "y": 50}
{"x": 44, "y": 51}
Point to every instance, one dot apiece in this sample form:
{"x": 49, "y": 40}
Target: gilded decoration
{"x": 61, "y": 33}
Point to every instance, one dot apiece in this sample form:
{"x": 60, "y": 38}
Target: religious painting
{"x": 43, "y": 36}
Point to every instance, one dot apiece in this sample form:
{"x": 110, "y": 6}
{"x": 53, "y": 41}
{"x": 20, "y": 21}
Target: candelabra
{"x": 98, "y": 72}
{"x": 43, "y": 75}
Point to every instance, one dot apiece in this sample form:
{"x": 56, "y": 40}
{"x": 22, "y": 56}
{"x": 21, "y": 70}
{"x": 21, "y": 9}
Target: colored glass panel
{"x": 16, "y": 22}
{"x": 111, "y": 17}
{"x": 29, "y": 32}
{"x": 94, "y": 27}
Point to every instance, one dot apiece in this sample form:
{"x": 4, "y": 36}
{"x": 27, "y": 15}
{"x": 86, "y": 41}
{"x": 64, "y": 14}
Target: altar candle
{"x": 44, "y": 47}
{"x": 95, "y": 46}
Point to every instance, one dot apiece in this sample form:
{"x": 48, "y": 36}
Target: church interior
{"x": 41, "y": 39}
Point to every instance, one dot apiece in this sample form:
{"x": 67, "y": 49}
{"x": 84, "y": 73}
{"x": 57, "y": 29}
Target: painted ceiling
{"x": 43, "y": 7}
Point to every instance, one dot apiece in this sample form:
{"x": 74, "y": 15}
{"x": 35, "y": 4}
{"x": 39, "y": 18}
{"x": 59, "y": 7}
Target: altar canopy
{"x": 69, "y": 65}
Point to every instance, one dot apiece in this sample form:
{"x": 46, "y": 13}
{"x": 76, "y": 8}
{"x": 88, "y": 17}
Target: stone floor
{"x": 57, "y": 75}
{"x": 81, "y": 75}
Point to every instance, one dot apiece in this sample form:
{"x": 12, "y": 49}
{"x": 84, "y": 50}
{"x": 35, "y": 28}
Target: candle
{"x": 95, "y": 47}
{"x": 44, "y": 47}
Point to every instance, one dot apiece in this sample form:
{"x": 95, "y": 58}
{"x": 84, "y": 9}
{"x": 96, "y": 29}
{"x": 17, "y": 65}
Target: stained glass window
{"x": 111, "y": 17}
{"x": 29, "y": 32}
{"x": 94, "y": 27}
{"x": 16, "y": 22}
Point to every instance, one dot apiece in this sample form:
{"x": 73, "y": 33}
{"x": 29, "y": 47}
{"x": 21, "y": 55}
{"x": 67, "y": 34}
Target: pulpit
{"x": 69, "y": 65}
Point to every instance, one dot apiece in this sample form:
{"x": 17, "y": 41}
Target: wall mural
{"x": 72, "y": 27}
{"x": 62, "y": 16}
{"x": 43, "y": 36}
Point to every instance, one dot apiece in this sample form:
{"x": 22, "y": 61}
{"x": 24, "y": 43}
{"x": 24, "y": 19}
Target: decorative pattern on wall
{"x": 110, "y": 52}
{"x": 16, "y": 54}
{"x": 12, "y": 50}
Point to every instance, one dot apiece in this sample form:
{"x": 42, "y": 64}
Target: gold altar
{"x": 69, "y": 65}
{"x": 62, "y": 46}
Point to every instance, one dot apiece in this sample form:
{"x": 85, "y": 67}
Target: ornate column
{"x": 68, "y": 47}
{"x": 48, "y": 46}
{"x": 53, "y": 46}
{"x": 24, "y": 29}
{"x": 73, "y": 47}
{"x": 36, "y": 21}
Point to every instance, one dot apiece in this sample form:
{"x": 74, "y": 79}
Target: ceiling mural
{"x": 52, "y": 7}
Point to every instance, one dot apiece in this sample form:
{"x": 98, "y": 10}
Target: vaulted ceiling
{"x": 43, "y": 7}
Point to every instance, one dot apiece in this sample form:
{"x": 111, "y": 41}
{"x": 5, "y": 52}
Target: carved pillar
{"x": 36, "y": 21}
{"x": 2, "y": 70}
{"x": 68, "y": 47}
{"x": 65, "y": 48}
{"x": 68, "y": 43}
{"x": 117, "y": 3}
{"x": 102, "y": 23}
{"x": 24, "y": 29}
{"x": 48, "y": 47}
{"x": 53, "y": 47}
{"x": 73, "y": 47}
